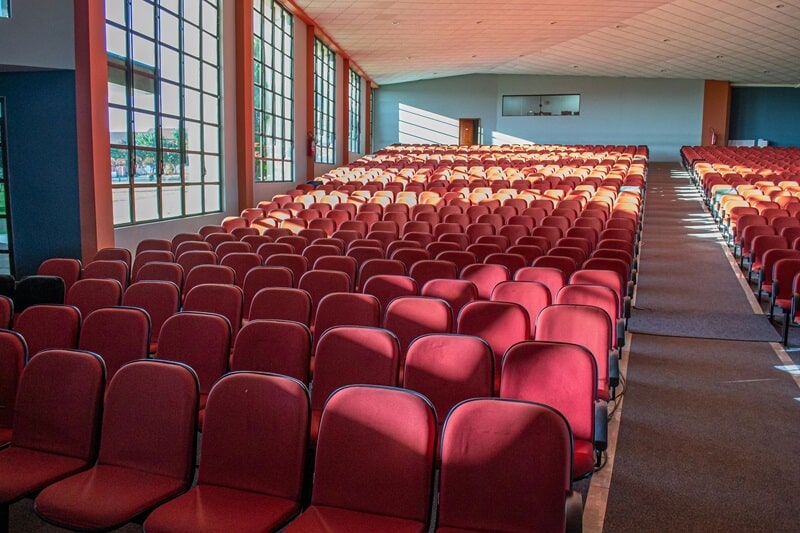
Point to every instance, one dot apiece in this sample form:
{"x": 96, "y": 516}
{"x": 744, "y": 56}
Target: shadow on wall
{"x": 418, "y": 126}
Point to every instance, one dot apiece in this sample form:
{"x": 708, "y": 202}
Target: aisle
{"x": 710, "y": 428}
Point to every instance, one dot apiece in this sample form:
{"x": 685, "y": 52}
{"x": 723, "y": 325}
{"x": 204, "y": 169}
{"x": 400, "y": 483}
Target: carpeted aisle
{"x": 710, "y": 429}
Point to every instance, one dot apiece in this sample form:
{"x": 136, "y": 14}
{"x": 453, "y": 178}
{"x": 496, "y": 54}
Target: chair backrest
{"x": 482, "y": 250}
{"x": 158, "y": 245}
{"x": 36, "y": 290}
{"x": 200, "y": 340}
{"x": 13, "y": 356}
{"x": 148, "y": 256}
{"x": 50, "y": 417}
{"x": 409, "y": 317}
{"x": 456, "y": 292}
{"x": 462, "y": 259}
{"x": 533, "y": 296}
{"x": 409, "y": 256}
{"x": 6, "y": 312}
{"x": 488, "y": 485}
{"x": 448, "y": 368}
{"x": 426, "y": 270}
{"x": 271, "y": 248}
{"x": 566, "y": 265}
{"x": 281, "y": 303}
{"x": 225, "y": 300}
{"x": 255, "y": 435}
{"x": 313, "y": 252}
{"x": 204, "y": 274}
{"x": 386, "y": 287}
{"x": 347, "y": 355}
{"x": 117, "y": 334}
{"x": 150, "y": 419}
{"x": 49, "y": 326}
{"x": 161, "y": 271}
{"x": 320, "y": 283}
{"x": 346, "y": 309}
{"x": 120, "y": 254}
{"x": 511, "y": 261}
{"x": 278, "y": 346}
{"x": 90, "y": 294}
{"x": 261, "y": 277}
{"x": 231, "y": 247}
{"x": 181, "y": 238}
{"x": 192, "y": 258}
{"x": 561, "y": 375}
{"x": 375, "y": 453}
{"x": 107, "y": 268}
{"x": 485, "y": 277}
{"x": 607, "y": 278}
{"x": 241, "y": 263}
{"x": 65, "y": 268}
{"x": 297, "y": 263}
{"x": 161, "y": 300}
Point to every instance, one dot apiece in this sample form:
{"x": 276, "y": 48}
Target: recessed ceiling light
{"x": 553, "y": 22}
{"x": 478, "y": 21}
{"x": 395, "y": 22}
{"x": 574, "y": 66}
{"x": 720, "y": 56}
{"x": 665, "y": 41}
{"x": 663, "y": 70}
{"x": 619, "y": 26}
{"x": 474, "y": 55}
{"x": 765, "y": 72}
{"x": 780, "y": 6}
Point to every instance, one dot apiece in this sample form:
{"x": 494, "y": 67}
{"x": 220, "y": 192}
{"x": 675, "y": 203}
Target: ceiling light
{"x": 665, "y": 41}
{"x": 395, "y": 22}
{"x": 720, "y": 56}
{"x": 478, "y": 21}
{"x": 474, "y": 55}
{"x": 619, "y": 26}
{"x": 553, "y": 22}
{"x": 780, "y": 6}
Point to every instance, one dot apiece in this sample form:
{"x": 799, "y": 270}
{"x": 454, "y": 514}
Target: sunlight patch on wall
{"x": 502, "y": 138}
{"x": 417, "y": 126}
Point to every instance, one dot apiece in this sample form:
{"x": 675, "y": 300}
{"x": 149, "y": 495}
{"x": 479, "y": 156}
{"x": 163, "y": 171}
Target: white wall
{"x": 39, "y": 34}
{"x": 661, "y": 113}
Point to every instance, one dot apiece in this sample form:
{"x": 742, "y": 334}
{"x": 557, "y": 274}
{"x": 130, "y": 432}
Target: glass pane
{"x": 171, "y": 202}
{"x": 143, "y": 18}
{"x": 122, "y": 206}
{"x": 117, "y": 86}
{"x": 210, "y": 48}
{"x": 115, "y": 11}
{"x": 191, "y": 39}
{"x": 3, "y": 233}
{"x": 212, "y": 197}
{"x": 119, "y": 166}
{"x": 170, "y": 64}
{"x": 146, "y": 203}
{"x": 170, "y": 99}
{"x": 191, "y": 72}
{"x": 211, "y": 139}
{"x": 146, "y": 167}
{"x": 194, "y": 140}
{"x": 144, "y": 93}
{"x": 194, "y": 199}
{"x": 144, "y": 54}
{"x": 210, "y": 79}
{"x": 170, "y": 29}
{"x": 210, "y": 109}
{"x": 193, "y": 171}
{"x": 212, "y": 169}
{"x": 192, "y": 103}
{"x": 116, "y": 41}
{"x": 145, "y": 130}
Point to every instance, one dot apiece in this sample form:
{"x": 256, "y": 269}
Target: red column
{"x": 245, "y": 156}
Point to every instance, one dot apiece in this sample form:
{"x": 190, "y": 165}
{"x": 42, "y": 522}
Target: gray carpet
{"x": 710, "y": 428}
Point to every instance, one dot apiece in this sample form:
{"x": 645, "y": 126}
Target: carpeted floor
{"x": 710, "y": 429}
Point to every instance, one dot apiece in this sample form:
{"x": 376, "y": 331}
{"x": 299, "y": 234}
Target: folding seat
{"x": 618, "y": 233}
{"x": 294, "y": 224}
{"x": 566, "y": 264}
{"x": 272, "y": 248}
{"x": 409, "y": 256}
{"x": 348, "y": 355}
{"x": 180, "y": 238}
{"x": 456, "y": 292}
{"x": 447, "y": 369}
{"x": 276, "y": 233}
{"x": 231, "y": 223}
{"x": 208, "y": 229}
{"x": 308, "y": 214}
{"x": 297, "y": 242}
{"x": 765, "y": 274}
{"x": 146, "y": 455}
{"x": 311, "y": 234}
{"x": 358, "y": 226}
{"x": 431, "y": 217}
{"x": 784, "y": 222}
{"x": 587, "y": 326}
{"x": 215, "y": 239}
{"x": 224, "y": 300}
{"x": 533, "y": 296}
{"x": 494, "y": 219}
{"x": 342, "y": 263}
{"x": 146, "y": 245}
{"x": 347, "y": 236}
{"x": 525, "y": 221}
{"x": 488, "y": 485}
{"x": 13, "y": 356}
{"x": 328, "y": 225}
{"x": 103, "y": 269}
{"x": 513, "y": 232}
{"x": 782, "y": 294}
{"x": 475, "y": 230}
{"x": 119, "y": 254}
{"x": 200, "y": 340}
{"x": 422, "y": 238}
{"x": 330, "y": 241}
{"x": 294, "y": 262}
{"x": 149, "y": 256}
{"x": 282, "y": 303}
{"x": 416, "y": 227}
{"x": 476, "y": 211}
{"x": 55, "y": 427}
{"x": 528, "y": 251}
{"x": 374, "y": 462}
{"x": 189, "y": 260}
{"x": 551, "y": 233}
{"x": 409, "y": 317}
{"x": 447, "y": 227}
{"x": 501, "y": 324}
{"x": 345, "y": 309}
{"x": 500, "y": 241}
{"x": 319, "y": 283}
{"x": 426, "y": 270}
{"x": 622, "y": 222}
{"x": 602, "y": 296}
{"x": 537, "y": 210}
{"x": 759, "y": 246}
{"x": 160, "y": 299}
{"x": 483, "y": 250}
{"x": 576, "y": 254}
{"x": 276, "y": 346}
{"x": 240, "y": 233}
{"x": 437, "y": 247}
{"x": 251, "y": 474}
{"x": 6, "y": 312}
{"x": 117, "y": 334}
{"x": 590, "y": 222}
{"x": 577, "y": 242}
{"x": 397, "y": 217}
{"x": 231, "y": 247}
{"x": 161, "y": 271}
{"x": 461, "y": 259}
{"x": 241, "y": 263}
{"x": 90, "y": 294}
{"x": 399, "y": 244}
{"x": 49, "y": 326}
{"x": 65, "y": 268}
{"x": 556, "y": 221}
{"x": 190, "y": 246}
{"x": 203, "y": 274}
{"x": 612, "y": 279}
{"x": 538, "y": 240}
{"x": 366, "y": 243}
{"x": 460, "y": 239}
{"x": 512, "y": 262}
{"x": 374, "y": 267}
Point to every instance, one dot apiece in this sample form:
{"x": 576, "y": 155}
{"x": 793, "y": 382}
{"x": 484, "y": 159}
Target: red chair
{"x": 501, "y": 324}
{"x": 107, "y": 269}
{"x": 13, "y": 356}
{"x": 374, "y": 463}
{"x": 424, "y": 271}
{"x": 276, "y": 346}
{"x": 180, "y": 238}
{"x": 485, "y": 277}
{"x": 147, "y": 450}
{"x": 56, "y": 427}
{"x": 160, "y": 299}
{"x": 224, "y": 300}
{"x": 281, "y": 303}
{"x": 456, "y": 292}
{"x": 294, "y": 262}
{"x": 161, "y": 271}
{"x": 346, "y": 309}
{"x": 189, "y": 260}
{"x": 49, "y": 326}
{"x": 272, "y": 248}
{"x": 377, "y": 267}
{"x": 386, "y": 287}
{"x": 114, "y": 254}
{"x": 409, "y": 256}
{"x": 487, "y": 485}
{"x": 204, "y": 274}
{"x": 241, "y": 263}
{"x": 608, "y": 278}
{"x": 409, "y": 317}
{"x": 117, "y": 334}
{"x": 231, "y": 247}
{"x": 601, "y": 296}
{"x": 531, "y": 295}
{"x": 65, "y": 268}
{"x": 147, "y": 245}
{"x": 319, "y": 283}
{"x": 90, "y": 294}
{"x": 251, "y": 474}
{"x": 261, "y": 277}
{"x": 347, "y": 355}
{"x": 297, "y": 242}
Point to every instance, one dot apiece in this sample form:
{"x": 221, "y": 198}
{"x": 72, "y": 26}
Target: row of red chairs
{"x": 374, "y": 462}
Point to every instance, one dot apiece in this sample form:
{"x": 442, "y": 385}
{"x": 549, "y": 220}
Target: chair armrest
{"x": 627, "y": 308}
{"x": 620, "y": 332}
{"x": 600, "y": 425}
{"x": 774, "y": 292}
{"x": 613, "y": 368}
{"x": 630, "y": 289}
{"x": 574, "y": 512}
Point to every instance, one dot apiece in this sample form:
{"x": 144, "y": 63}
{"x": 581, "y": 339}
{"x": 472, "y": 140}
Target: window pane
{"x": 122, "y": 206}
{"x": 194, "y": 199}
{"x": 146, "y": 203}
{"x": 171, "y": 202}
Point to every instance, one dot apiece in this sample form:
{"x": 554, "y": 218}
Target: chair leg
{"x": 786, "y": 320}
{"x": 4, "y": 517}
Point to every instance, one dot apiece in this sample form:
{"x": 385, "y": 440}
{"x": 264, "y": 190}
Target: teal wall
{"x": 42, "y": 166}
{"x": 771, "y": 113}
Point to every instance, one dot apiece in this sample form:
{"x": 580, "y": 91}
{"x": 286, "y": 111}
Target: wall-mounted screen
{"x": 537, "y": 105}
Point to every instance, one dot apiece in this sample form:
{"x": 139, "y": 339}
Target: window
{"x": 5, "y": 215}
{"x": 354, "y": 95}
{"x": 5, "y": 8}
{"x": 542, "y": 105}
{"x": 273, "y": 92}
{"x": 164, "y": 108}
{"x": 324, "y": 103}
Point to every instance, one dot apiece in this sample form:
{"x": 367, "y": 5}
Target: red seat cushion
{"x": 214, "y": 508}
{"x": 322, "y": 518}
{"x": 105, "y": 496}
{"x": 5, "y": 435}
{"x": 25, "y": 470}
{"x": 583, "y": 458}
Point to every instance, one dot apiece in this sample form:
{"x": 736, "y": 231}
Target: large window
{"x": 164, "y": 108}
{"x": 324, "y": 102}
{"x": 542, "y": 105}
{"x": 273, "y": 91}
{"x": 5, "y": 215}
{"x": 354, "y": 96}
{"x": 5, "y": 8}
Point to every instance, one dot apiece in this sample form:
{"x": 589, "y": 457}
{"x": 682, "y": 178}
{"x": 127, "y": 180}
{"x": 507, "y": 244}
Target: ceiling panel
{"x": 743, "y": 41}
